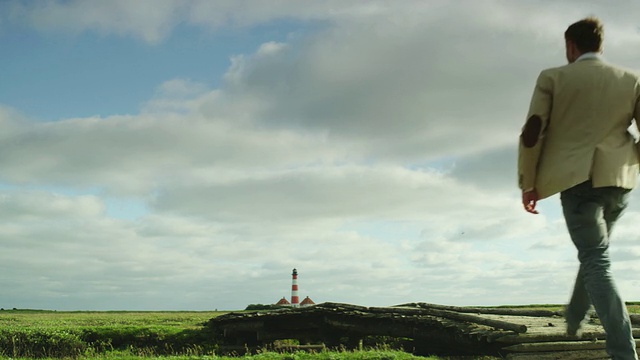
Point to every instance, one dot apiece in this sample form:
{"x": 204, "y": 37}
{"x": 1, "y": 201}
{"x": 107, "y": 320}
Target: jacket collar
{"x": 590, "y": 56}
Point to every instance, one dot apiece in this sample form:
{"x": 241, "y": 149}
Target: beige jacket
{"x": 585, "y": 108}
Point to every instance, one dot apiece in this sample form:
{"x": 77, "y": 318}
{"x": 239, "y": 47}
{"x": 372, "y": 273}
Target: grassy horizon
{"x": 169, "y": 335}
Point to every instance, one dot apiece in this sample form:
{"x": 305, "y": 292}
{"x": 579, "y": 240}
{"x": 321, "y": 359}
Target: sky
{"x": 188, "y": 154}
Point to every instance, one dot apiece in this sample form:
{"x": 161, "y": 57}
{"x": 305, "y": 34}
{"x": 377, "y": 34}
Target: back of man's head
{"x": 587, "y": 34}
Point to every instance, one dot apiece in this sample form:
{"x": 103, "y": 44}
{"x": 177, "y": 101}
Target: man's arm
{"x": 532, "y": 139}
{"x": 637, "y": 113}
{"x": 636, "y": 116}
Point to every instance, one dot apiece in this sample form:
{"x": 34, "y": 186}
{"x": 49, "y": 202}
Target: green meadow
{"x": 41, "y": 334}
{"x": 29, "y": 334}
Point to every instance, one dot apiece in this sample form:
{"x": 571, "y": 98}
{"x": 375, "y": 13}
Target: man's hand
{"x": 529, "y": 201}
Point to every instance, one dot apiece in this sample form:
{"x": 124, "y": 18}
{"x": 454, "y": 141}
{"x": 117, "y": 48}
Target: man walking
{"x": 576, "y": 142}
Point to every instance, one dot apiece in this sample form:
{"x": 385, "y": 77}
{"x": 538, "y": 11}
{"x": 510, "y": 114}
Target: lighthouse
{"x": 295, "y": 302}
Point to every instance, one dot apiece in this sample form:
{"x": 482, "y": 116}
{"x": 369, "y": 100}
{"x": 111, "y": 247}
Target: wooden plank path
{"x": 424, "y": 329}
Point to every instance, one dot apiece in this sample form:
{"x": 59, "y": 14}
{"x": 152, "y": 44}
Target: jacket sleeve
{"x": 636, "y": 115}
{"x": 533, "y": 131}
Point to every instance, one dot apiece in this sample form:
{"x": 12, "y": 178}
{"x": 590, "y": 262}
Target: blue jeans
{"x": 590, "y": 214}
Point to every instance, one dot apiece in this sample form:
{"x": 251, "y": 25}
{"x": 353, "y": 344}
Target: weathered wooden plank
{"x": 561, "y": 355}
{"x": 479, "y": 310}
{"x": 381, "y": 329}
{"x": 550, "y": 337}
{"x": 340, "y": 307}
{"x": 498, "y": 324}
{"x": 559, "y": 346}
{"x": 554, "y": 337}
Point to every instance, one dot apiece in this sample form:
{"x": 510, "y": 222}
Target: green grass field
{"x": 17, "y": 319}
{"x": 28, "y": 334}
{"x": 37, "y": 334}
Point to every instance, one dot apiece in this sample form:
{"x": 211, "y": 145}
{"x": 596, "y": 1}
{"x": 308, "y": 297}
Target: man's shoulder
{"x": 554, "y": 71}
{"x": 550, "y": 75}
{"x": 628, "y": 71}
{"x": 618, "y": 69}
{"x": 588, "y": 65}
{"x": 622, "y": 75}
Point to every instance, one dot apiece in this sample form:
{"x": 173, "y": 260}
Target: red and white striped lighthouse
{"x": 295, "y": 302}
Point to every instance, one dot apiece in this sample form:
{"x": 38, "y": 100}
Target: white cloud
{"x": 184, "y": 89}
{"x": 137, "y": 153}
{"x": 401, "y": 86}
{"x": 46, "y": 205}
{"x": 151, "y": 21}
{"x": 333, "y": 192}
